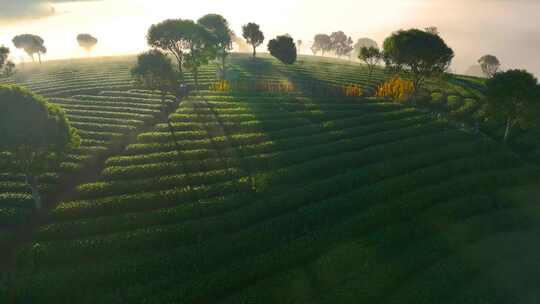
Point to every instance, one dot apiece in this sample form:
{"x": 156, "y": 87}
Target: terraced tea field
{"x": 293, "y": 197}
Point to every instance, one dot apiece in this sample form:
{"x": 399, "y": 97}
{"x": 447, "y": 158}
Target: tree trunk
{"x": 371, "y": 68}
{"x": 32, "y": 182}
{"x": 507, "y": 131}
{"x": 170, "y": 110}
{"x": 39, "y": 57}
{"x": 224, "y": 63}
{"x": 254, "y": 51}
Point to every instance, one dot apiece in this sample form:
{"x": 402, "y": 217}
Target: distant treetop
{"x": 86, "y": 41}
{"x": 31, "y": 44}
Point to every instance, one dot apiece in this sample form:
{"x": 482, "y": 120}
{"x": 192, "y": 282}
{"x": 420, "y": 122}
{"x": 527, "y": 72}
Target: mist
{"x": 504, "y": 28}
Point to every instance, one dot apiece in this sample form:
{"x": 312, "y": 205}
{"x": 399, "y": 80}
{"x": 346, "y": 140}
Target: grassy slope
{"x": 292, "y": 199}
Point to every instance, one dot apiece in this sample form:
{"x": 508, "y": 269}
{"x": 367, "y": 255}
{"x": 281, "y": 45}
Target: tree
{"x": 219, "y": 26}
{"x": 253, "y": 35}
{"x": 173, "y": 36}
{"x": 87, "y": 41}
{"x": 364, "y": 42}
{"x": 31, "y": 44}
{"x": 490, "y": 65}
{"x": 299, "y": 44}
{"x": 417, "y": 53}
{"x": 283, "y": 48}
{"x": 341, "y": 44}
{"x": 201, "y": 45}
{"x": 432, "y": 30}
{"x": 154, "y": 71}
{"x": 322, "y": 43}
{"x": 371, "y": 56}
{"x": 6, "y": 66}
{"x": 34, "y": 133}
{"x": 513, "y": 96}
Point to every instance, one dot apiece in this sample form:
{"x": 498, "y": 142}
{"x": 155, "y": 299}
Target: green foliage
{"x": 417, "y": 53}
{"x": 454, "y": 102}
{"x": 283, "y": 48}
{"x": 27, "y": 120}
{"x": 34, "y": 132}
{"x": 219, "y": 26}
{"x": 514, "y": 97}
{"x": 253, "y": 35}
{"x": 174, "y": 36}
{"x": 154, "y": 71}
{"x": 7, "y": 67}
{"x": 437, "y": 98}
{"x": 269, "y": 193}
{"x": 371, "y": 56}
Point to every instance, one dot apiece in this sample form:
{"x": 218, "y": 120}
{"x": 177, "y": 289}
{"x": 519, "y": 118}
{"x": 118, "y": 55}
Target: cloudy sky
{"x": 508, "y": 29}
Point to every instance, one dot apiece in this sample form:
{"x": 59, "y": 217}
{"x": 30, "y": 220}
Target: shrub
{"x": 454, "y": 102}
{"x": 396, "y": 88}
{"x": 437, "y": 98}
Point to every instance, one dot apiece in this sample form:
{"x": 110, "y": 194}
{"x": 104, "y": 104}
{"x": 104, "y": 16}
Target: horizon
{"x": 59, "y": 21}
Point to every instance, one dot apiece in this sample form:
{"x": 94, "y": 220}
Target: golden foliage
{"x": 283, "y": 86}
{"x": 396, "y": 88}
{"x": 274, "y": 86}
{"x": 353, "y": 90}
{"x": 221, "y": 86}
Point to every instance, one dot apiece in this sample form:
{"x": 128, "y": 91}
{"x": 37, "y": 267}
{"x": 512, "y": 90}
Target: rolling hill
{"x": 291, "y": 194}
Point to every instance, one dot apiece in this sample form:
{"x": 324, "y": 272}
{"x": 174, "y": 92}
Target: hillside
{"x": 290, "y": 195}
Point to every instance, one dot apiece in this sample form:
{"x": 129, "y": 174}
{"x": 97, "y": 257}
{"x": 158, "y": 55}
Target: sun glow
{"x": 121, "y": 25}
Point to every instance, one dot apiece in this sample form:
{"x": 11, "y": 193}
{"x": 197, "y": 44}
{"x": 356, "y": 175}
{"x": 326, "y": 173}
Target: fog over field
{"x": 506, "y": 28}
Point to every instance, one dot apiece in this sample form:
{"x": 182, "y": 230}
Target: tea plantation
{"x": 296, "y": 195}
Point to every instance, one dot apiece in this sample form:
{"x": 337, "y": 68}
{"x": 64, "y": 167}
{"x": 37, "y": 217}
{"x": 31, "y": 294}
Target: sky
{"x": 508, "y": 29}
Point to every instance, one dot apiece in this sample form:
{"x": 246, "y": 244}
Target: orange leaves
{"x": 396, "y": 88}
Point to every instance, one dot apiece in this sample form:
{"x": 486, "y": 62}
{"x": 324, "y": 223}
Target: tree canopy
{"x": 219, "y": 26}
{"x": 489, "y": 64}
{"x": 6, "y": 66}
{"x": 513, "y": 96}
{"x": 371, "y": 56}
{"x": 364, "y": 42}
{"x": 283, "y": 48}
{"x": 201, "y": 45}
{"x": 253, "y": 35}
{"x": 31, "y": 44}
{"x": 341, "y": 44}
{"x": 34, "y": 132}
{"x": 321, "y": 43}
{"x": 86, "y": 41}
{"x": 173, "y": 36}
{"x": 154, "y": 71}
{"x": 418, "y": 53}
{"x": 4, "y": 53}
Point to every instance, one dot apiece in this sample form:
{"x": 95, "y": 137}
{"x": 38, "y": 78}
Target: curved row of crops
{"x": 261, "y": 189}
{"x": 286, "y": 198}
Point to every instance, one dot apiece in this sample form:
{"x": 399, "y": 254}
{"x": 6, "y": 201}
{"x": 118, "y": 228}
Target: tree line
{"x": 36, "y": 134}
